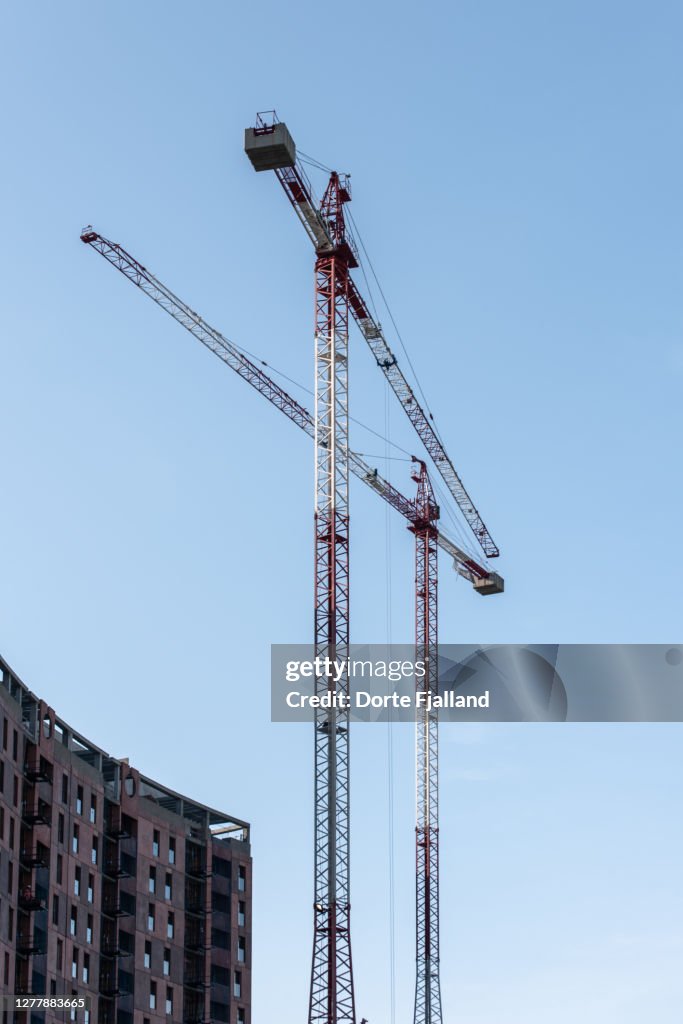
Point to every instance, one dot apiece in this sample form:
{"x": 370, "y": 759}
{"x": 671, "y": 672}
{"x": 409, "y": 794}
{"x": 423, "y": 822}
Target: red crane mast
{"x": 427, "y": 982}
{"x": 332, "y": 992}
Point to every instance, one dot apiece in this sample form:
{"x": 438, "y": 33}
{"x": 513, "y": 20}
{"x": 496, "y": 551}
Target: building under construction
{"x": 113, "y": 886}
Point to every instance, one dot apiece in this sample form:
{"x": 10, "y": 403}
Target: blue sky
{"x": 516, "y": 174}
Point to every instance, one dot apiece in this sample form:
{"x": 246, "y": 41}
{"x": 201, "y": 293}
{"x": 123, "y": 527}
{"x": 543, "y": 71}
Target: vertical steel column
{"x": 332, "y": 995}
{"x": 427, "y": 986}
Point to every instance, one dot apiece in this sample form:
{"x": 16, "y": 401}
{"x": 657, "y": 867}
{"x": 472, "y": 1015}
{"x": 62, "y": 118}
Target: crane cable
{"x": 312, "y": 162}
{"x": 393, "y": 321}
{"x": 407, "y": 456}
{"x": 391, "y": 879}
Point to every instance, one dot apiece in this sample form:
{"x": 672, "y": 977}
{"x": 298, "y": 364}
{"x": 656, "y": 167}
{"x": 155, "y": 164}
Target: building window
{"x": 2, "y": 820}
{"x": 242, "y": 878}
{"x": 241, "y": 949}
{"x": 60, "y": 954}
{"x": 16, "y": 791}
{"x": 237, "y": 985}
{"x": 4, "y": 734}
{"x": 91, "y": 888}
{"x": 168, "y": 887}
{"x": 152, "y": 880}
{"x": 10, "y": 878}
{"x": 150, "y": 918}
{"x": 93, "y": 810}
{"x": 10, "y": 924}
{"x": 86, "y": 968}
{"x": 171, "y": 851}
{"x": 15, "y": 745}
{"x": 65, "y": 789}
{"x": 170, "y": 925}
{"x": 148, "y": 955}
{"x": 55, "y": 908}
{"x": 169, "y": 1000}
{"x": 152, "y": 995}
{"x": 241, "y": 914}
{"x": 155, "y": 843}
{"x": 79, "y": 800}
{"x": 73, "y": 921}
{"x": 167, "y": 962}
{"x": 60, "y": 828}
{"x": 93, "y": 852}
{"x": 74, "y": 964}
{"x": 240, "y": 1015}
{"x": 86, "y": 1017}
{"x": 59, "y": 869}
{"x": 88, "y": 930}
{"x": 11, "y": 832}
{"x": 74, "y": 840}
{"x": 77, "y": 882}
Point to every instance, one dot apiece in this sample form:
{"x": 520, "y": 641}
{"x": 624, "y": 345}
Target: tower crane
{"x": 270, "y": 146}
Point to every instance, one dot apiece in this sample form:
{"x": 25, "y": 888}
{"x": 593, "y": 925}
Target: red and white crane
{"x": 270, "y": 146}
{"x": 427, "y": 978}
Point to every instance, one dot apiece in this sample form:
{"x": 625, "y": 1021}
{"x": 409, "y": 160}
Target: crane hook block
{"x": 270, "y": 147}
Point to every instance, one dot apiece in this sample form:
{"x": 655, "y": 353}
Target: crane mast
{"x": 332, "y": 992}
{"x": 427, "y": 981}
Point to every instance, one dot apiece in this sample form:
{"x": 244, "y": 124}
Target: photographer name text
{"x": 422, "y": 700}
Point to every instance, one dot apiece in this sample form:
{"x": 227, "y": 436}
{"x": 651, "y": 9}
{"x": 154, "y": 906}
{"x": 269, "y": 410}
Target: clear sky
{"x": 517, "y": 180}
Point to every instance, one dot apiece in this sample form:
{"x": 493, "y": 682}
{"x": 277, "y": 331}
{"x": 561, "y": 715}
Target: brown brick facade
{"x": 112, "y": 885}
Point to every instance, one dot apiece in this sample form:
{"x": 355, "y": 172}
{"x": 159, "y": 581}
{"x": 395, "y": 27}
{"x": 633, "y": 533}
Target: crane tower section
{"x": 270, "y": 147}
{"x": 427, "y": 985}
{"x": 332, "y": 995}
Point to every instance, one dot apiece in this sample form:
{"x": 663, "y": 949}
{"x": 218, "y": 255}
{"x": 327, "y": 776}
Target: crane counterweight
{"x": 270, "y": 147}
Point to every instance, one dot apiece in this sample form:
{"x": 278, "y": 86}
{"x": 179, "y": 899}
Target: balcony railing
{"x": 30, "y": 944}
{"x": 109, "y": 984}
{"x": 31, "y": 900}
{"x": 37, "y": 812}
{"x": 38, "y": 770}
{"x": 35, "y": 856}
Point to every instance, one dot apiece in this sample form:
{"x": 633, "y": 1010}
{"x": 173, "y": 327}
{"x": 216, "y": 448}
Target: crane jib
{"x": 135, "y": 272}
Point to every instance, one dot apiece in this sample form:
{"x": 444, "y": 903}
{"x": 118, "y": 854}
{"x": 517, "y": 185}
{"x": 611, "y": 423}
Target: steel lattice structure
{"x": 427, "y": 983}
{"x": 332, "y": 993}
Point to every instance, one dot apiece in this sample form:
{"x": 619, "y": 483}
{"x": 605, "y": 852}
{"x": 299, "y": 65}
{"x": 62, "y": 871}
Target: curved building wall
{"x": 113, "y": 886}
